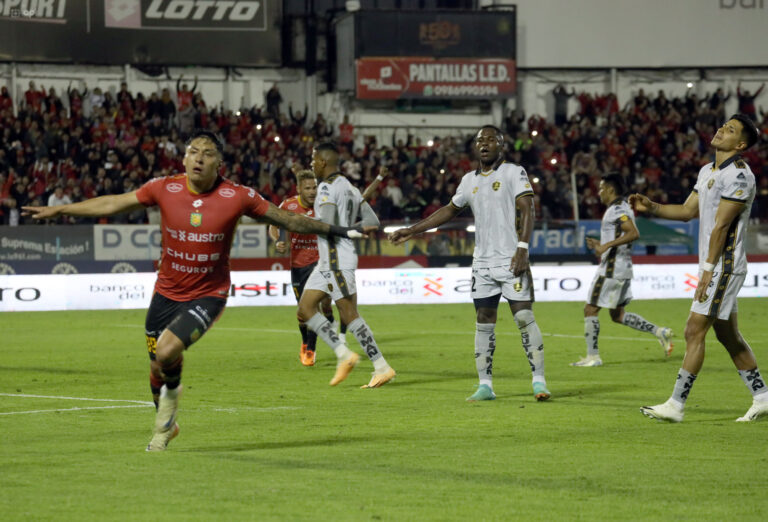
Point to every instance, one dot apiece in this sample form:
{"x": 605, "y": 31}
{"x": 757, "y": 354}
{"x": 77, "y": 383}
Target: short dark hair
{"x": 202, "y": 133}
{"x": 616, "y": 181}
{"x": 749, "y": 129}
{"x": 498, "y": 131}
{"x": 327, "y": 145}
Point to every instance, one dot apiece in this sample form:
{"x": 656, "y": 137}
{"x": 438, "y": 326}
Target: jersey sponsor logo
{"x": 195, "y": 237}
{"x": 195, "y": 219}
{"x": 496, "y": 185}
{"x": 192, "y": 256}
{"x": 174, "y": 187}
{"x": 227, "y": 192}
{"x": 738, "y": 193}
{"x": 741, "y": 176}
{"x": 197, "y": 203}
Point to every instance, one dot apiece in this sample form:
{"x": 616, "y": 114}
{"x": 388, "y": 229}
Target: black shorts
{"x": 299, "y": 278}
{"x": 188, "y": 320}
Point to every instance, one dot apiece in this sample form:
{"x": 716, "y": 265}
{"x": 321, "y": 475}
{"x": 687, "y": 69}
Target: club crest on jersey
{"x": 474, "y": 190}
{"x": 518, "y": 286}
{"x": 496, "y": 185}
{"x": 710, "y": 183}
{"x": 195, "y": 219}
{"x": 197, "y": 203}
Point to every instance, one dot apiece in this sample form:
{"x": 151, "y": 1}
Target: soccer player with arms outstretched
{"x": 721, "y": 199}
{"x": 340, "y": 203}
{"x": 200, "y": 211}
{"x": 612, "y": 285}
{"x": 501, "y": 200}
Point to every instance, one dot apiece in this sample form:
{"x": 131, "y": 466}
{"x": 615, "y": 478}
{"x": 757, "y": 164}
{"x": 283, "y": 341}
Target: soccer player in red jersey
{"x": 303, "y": 256}
{"x": 200, "y": 210}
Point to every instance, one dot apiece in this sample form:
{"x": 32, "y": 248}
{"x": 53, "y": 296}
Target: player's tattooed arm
{"x": 94, "y": 207}
{"x": 684, "y": 212}
{"x": 524, "y": 206}
{"x": 303, "y": 225}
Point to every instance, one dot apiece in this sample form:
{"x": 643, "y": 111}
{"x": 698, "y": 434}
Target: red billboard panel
{"x": 392, "y": 78}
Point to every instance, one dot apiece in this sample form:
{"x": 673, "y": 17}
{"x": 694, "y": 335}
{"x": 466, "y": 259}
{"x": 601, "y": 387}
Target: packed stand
{"x": 93, "y": 143}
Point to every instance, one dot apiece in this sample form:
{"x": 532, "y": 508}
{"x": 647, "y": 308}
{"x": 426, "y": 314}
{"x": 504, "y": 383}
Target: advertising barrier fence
{"x": 375, "y": 286}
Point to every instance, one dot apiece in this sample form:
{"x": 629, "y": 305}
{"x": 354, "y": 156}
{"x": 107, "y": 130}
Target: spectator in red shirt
{"x": 346, "y": 134}
{"x": 184, "y": 95}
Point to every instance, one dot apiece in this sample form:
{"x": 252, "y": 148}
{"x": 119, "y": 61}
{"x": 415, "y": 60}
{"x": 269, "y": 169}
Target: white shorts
{"x": 488, "y": 282}
{"x": 721, "y": 296}
{"x": 336, "y": 283}
{"x": 610, "y": 293}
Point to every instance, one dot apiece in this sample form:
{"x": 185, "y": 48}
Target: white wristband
{"x": 522, "y": 244}
{"x": 707, "y": 267}
{"x": 380, "y": 177}
{"x": 354, "y": 234}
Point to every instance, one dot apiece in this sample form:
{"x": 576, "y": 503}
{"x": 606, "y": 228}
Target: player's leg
{"x": 298, "y": 278}
{"x": 618, "y": 315}
{"x": 744, "y": 359}
{"x": 320, "y": 284}
{"x": 518, "y": 290}
{"x": 191, "y": 322}
{"x": 696, "y": 329}
{"x": 591, "y": 334}
{"x": 485, "y": 344}
{"x": 349, "y": 315}
{"x": 159, "y": 314}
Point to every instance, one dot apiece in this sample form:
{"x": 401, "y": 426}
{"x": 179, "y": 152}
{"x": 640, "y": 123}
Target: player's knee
{"x": 616, "y": 316}
{"x": 486, "y": 315}
{"x": 693, "y": 334}
{"x": 523, "y": 318}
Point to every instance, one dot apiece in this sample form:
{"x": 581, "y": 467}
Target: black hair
{"x": 749, "y": 129}
{"x": 327, "y": 145}
{"x": 202, "y": 133}
{"x": 498, "y": 131}
{"x": 616, "y": 181}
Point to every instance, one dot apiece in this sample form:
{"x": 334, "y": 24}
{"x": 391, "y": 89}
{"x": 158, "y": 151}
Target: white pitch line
{"x": 75, "y": 409}
{"x": 143, "y": 403}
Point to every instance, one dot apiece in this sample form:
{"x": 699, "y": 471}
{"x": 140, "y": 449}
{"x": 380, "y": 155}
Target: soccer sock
{"x": 322, "y": 328}
{"x": 172, "y": 373}
{"x": 329, "y": 317}
{"x": 755, "y": 383}
{"x": 533, "y": 342}
{"x": 155, "y": 383}
{"x": 485, "y": 345}
{"x": 638, "y": 323}
{"x": 591, "y": 332}
{"x": 303, "y": 330}
{"x": 311, "y": 341}
{"x": 364, "y": 336}
{"x": 683, "y": 386}
{"x": 343, "y": 327}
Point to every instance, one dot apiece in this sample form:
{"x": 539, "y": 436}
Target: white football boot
{"x": 165, "y": 419}
{"x": 589, "y": 360}
{"x": 758, "y": 409}
{"x": 670, "y": 411}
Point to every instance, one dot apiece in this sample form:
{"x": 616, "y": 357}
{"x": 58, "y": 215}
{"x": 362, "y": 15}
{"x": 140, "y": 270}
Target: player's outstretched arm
{"x": 95, "y": 207}
{"x": 684, "y": 212}
{"x": 435, "y": 219}
{"x": 303, "y": 225}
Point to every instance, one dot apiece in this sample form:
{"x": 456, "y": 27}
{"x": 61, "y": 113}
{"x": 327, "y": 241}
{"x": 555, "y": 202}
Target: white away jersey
{"x": 732, "y": 181}
{"x": 492, "y": 196}
{"x": 616, "y": 262}
{"x": 338, "y": 253}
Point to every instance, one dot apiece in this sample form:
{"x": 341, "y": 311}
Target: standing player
{"x": 303, "y": 256}
{"x": 722, "y": 199}
{"x": 339, "y": 202}
{"x": 200, "y": 210}
{"x": 501, "y": 199}
{"x": 304, "y": 253}
{"x": 611, "y": 287}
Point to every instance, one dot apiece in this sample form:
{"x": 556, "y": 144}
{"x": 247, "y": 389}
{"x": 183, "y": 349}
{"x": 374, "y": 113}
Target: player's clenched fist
{"x": 400, "y": 236}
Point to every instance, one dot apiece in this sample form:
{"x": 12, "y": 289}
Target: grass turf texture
{"x": 264, "y": 438}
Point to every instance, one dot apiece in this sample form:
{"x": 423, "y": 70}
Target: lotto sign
{"x": 392, "y": 78}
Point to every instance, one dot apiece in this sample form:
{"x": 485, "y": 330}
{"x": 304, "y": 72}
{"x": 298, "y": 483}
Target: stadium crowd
{"x": 56, "y": 150}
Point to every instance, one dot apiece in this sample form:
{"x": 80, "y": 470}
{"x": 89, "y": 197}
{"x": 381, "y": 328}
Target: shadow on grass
{"x": 277, "y": 445}
{"x": 41, "y": 369}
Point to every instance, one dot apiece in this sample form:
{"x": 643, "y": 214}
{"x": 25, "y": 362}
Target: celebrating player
{"x": 499, "y": 195}
{"x": 721, "y": 199}
{"x": 611, "y": 287}
{"x": 338, "y": 201}
{"x": 200, "y": 210}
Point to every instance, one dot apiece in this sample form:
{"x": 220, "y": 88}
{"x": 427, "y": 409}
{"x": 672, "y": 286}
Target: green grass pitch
{"x": 263, "y": 438}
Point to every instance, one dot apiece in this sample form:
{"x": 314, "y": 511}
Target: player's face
{"x": 605, "y": 192}
{"x": 308, "y": 191}
{"x": 728, "y": 137}
{"x": 487, "y": 146}
{"x": 201, "y": 162}
{"x": 317, "y": 164}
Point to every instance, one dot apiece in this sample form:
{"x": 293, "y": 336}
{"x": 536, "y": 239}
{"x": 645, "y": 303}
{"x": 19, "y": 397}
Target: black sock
{"x": 303, "y": 330}
{"x": 311, "y": 341}
{"x": 343, "y": 328}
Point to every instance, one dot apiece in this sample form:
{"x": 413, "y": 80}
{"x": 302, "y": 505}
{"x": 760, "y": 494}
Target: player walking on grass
{"x": 304, "y": 254}
{"x": 501, "y": 200}
{"x": 722, "y": 199}
{"x": 339, "y": 202}
{"x": 200, "y": 210}
{"x": 611, "y": 287}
